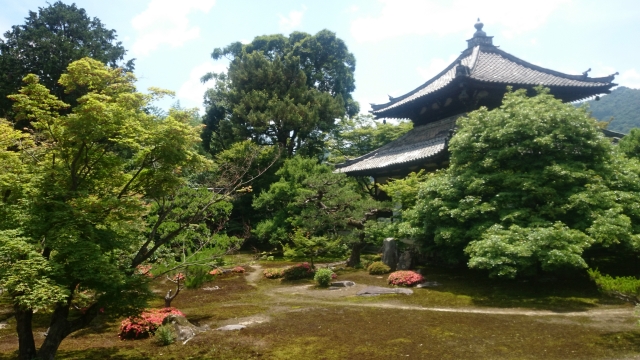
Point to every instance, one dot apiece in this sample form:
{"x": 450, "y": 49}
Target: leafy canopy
{"x": 531, "y": 186}
{"x": 285, "y": 91}
{"x": 47, "y": 43}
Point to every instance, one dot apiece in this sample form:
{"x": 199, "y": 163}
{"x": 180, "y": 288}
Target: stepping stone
{"x": 378, "y": 290}
{"x": 231, "y": 327}
{"x": 345, "y": 283}
{"x": 428, "y": 284}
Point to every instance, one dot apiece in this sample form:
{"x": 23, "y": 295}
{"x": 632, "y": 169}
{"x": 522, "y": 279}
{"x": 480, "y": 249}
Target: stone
{"x": 379, "y": 290}
{"x": 390, "y": 253}
{"x": 231, "y": 327}
{"x": 428, "y": 284}
{"x": 345, "y": 283}
{"x": 404, "y": 263}
{"x": 184, "y": 330}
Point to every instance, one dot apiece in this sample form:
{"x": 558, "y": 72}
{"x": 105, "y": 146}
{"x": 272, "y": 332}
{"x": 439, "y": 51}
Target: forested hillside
{"x": 623, "y": 104}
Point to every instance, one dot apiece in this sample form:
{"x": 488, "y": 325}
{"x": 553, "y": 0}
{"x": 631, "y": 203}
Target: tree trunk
{"x": 26, "y": 344}
{"x": 58, "y": 330}
{"x": 354, "y": 258}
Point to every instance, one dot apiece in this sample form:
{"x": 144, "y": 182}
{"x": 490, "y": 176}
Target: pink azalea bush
{"x": 238, "y": 269}
{"x": 144, "y": 270}
{"x": 273, "y": 273}
{"x": 215, "y": 272}
{"x": 405, "y": 277}
{"x": 138, "y": 327}
{"x": 299, "y": 271}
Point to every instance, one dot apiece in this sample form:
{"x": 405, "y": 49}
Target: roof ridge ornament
{"x": 480, "y": 37}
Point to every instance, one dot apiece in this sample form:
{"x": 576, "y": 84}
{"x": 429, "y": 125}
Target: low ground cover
{"x": 295, "y": 319}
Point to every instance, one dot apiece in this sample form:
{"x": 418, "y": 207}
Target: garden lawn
{"x": 293, "y": 320}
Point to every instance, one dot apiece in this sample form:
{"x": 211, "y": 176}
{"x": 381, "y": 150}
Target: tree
{"x": 359, "y": 135}
{"x": 285, "y": 91}
{"x": 47, "y": 43}
{"x": 531, "y": 186}
{"x": 93, "y": 192}
{"x": 309, "y": 196}
{"x": 620, "y": 109}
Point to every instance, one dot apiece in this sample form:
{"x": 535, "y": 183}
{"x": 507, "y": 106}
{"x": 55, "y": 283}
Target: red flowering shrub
{"x": 406, "y": 278}
{"x": 138, "y": 327}
{"x": 238, "y": 269}
{"x": 215, "y": 272}
{"x": 178, "y": 277}
{"x": 298, "y": 271}
{"x": 273, "y": 273}
{"x": 144, "y": 270}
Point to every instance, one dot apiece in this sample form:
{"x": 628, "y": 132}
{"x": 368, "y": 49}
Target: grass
{"x": 309, "y": 325}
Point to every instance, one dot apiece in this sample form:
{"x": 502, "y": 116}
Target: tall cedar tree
{"x": 532, "y": 185}
{"x": 47, "y": 43}
{"x": 284, "y": 91}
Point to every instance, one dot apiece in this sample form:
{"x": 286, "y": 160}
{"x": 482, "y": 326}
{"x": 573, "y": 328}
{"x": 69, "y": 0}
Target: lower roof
{"x": 419, "y": 144}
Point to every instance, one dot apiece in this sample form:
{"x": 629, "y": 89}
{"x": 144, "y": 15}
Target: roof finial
{"x": 478, "y": 27}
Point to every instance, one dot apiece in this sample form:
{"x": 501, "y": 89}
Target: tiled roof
{"x": 420, "y": 143}
{"x": 492, "y": 65}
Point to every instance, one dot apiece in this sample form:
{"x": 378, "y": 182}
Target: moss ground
{"x": 298, "y": 320}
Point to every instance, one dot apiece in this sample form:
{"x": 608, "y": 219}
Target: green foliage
{"x": 303, "y": 245}
{"x": 378, "y": 268}
{"x": 323, "y": 277}
{"x": 104, "y": 187}
{"x": 630, "y": 144}
{"x": 623, "y": 105}
{"x": 531, "y": 186}
{"x": 359, "y": 135}
{"x": 165, "y": 335}
{"x": 312, "y": 198}
{"x": 284, "y": 91}
{"x": 624, "y": 287}
{"x": 47, "y": 43}
{"x": 298, "y": 271}
{"x": 196, "y": 276}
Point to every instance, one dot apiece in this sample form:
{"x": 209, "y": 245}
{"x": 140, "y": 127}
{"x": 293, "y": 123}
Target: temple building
{"x": 478, "y": 77}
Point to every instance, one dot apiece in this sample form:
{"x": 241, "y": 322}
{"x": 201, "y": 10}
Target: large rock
{"x": 184, "y": 330}
{"x": 378, "y": 290}
{"x": 404, "y": 263}
{"x": 345, "y": 283}
{"x": 390, "y": 253}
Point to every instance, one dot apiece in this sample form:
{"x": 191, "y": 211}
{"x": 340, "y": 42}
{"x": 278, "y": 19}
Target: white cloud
{"x": 191, "y": 92}
{"x": 292, "y": 21}
{"x": 435, "y": 66}
{"x": 166, "y": 22}
{"x": 629, "y": 78}
{"x": 352, "y": 9}
{"x": 431, "y": 17}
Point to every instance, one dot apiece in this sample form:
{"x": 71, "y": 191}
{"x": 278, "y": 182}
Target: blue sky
{"x": 398, "y": 44}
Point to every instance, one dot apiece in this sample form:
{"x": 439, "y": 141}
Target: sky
{"x": 398, "y": 44}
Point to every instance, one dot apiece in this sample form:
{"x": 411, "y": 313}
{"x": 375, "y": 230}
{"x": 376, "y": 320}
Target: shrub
{"x": 323, "y": 277}
{"x": 238, "y": 270}
{"x": 165, "y": 335}
{"x": 138, "y": 327}
{"x": 378, "y": 268}
{"x": 196, "y": 276}
{"x": 406, "y": 278}
{"x": 273, "y": 273}
{"x": 298, "y": 271}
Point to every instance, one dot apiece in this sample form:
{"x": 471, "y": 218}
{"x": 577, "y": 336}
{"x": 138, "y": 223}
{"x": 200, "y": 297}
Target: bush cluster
{"x": 323, "y": 277}
{"x": 238, "y": 270}
{"x": 378, "y": 268}
{"x": 298, "y": 271}
{"x": 405, "y": 277}
{"x": 273, "y": 273}
{"x": 216, "y": 272}
{"x": 139, "y": 327}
